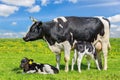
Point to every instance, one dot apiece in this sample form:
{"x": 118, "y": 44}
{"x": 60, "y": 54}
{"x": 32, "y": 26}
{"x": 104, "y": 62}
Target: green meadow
{"x": 13, "y": 50}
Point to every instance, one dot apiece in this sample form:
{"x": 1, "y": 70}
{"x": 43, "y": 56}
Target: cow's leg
{"x": 97, "y": 64}
{"x": 88, "y": 57}
{"x": 88, "y": 64}
{"x": 67, "y": 48}
{"x": 105, "y": 52}
{"x": 74, "y": 59}
{"x": 99, "y": 58}
{"x": 58, "y": 57}
{"x": 109, "y": 46}
{"x": 98, "y": 47}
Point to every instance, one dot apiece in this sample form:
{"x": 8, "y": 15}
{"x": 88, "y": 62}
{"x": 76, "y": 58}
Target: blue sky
{"x": 14, "y": 14}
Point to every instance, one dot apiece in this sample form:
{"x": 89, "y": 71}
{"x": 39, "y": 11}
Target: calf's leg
{"x": 74, "y": 59}
{"x": 79, "y": 60}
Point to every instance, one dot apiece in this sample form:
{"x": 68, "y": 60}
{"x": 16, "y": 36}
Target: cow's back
{"x": 85, "y": 28}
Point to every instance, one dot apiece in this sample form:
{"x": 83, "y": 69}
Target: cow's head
{"x": 35, "y": 32}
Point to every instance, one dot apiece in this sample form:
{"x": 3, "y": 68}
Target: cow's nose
{"x": 24, "y": 38}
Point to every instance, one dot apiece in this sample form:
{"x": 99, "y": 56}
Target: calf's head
{"x": 35, "y": 32}
{"x": 25, "y": 62}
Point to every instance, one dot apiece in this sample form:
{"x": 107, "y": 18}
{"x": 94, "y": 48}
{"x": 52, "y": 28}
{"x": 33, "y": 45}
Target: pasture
{"x": 13, "y": 50}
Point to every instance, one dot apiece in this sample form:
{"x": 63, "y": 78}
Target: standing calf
{"x": 84, "y": 48}
{"x": 29, "y": 66}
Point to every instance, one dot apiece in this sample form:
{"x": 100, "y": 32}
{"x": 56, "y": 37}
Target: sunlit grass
{"x": 13, "y": 50}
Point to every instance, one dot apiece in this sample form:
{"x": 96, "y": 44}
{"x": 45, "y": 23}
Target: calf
{"x": 29, "y": 66}
{"x": 84, "y": 48}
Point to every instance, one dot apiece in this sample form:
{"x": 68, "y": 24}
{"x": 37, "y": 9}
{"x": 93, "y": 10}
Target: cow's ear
{"x": 26, "y": 58}
{"x": 33, "y": 19}
{"x": 40, "y": 23}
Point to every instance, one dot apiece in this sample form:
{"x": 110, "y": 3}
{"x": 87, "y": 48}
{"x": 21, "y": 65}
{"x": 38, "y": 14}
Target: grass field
{"x": 13, "y": 50}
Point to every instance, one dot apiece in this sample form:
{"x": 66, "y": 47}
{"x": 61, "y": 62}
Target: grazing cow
{"x": 82, "y": 48}
{"x": 29, "y": 66}
{"x": 62, "y": 32}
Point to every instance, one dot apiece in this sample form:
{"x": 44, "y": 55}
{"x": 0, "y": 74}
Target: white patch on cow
{"x": 63, "y": 19}
{"x": 60, "y": 25}
{"x": 71, "y": 35}
{"x": 74, "y": 43}
{"x": 56, "y": 48}
{"x": 47, "y": 69}
{"x": 31, "y": 71}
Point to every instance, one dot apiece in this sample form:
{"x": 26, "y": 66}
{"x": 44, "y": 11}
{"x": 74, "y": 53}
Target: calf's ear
{"x": 30, "y": 61}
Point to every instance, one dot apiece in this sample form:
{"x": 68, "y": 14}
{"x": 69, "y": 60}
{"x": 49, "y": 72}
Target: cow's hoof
{"x": 66, "y": 70}
{"x": 105, "y": 69}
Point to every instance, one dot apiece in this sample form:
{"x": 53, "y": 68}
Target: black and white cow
{"x": 82, "y": 48}
{"x": 61, "y": 33}
{"x": 29, "y": 66}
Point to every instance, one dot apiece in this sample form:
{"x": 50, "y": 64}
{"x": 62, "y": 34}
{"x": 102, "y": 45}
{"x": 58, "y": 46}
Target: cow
{"x": 82, "y": 48}
{"x": 61, "y": 33}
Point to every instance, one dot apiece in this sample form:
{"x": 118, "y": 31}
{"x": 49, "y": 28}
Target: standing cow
{"x": 62, "y": 32}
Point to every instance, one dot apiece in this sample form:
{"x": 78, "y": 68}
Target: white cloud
{"x": 14, "y": 23}
{"x": 58, "y": 1}
{"x": 34, "y": 9}
{"x": 115, "y": 30}
{"x": 44, "y": 2}
{"x": 115, "y": 18}
{"x": 6, "y": 10}
{"x": 26, "y": 3}
{"x": 73, "y": 1}
{"x": 118, "y": 29}
{"x": 9, "y": 34}
{"x": 114, "y": 26}
{"x": 114, "y": 3}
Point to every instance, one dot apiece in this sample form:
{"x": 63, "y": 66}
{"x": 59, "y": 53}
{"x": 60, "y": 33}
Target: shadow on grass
{"x": 17, "y": 70}
{"x": 83, "y": 67}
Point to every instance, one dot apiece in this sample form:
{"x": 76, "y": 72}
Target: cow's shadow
{"x": 17, "y": 70}
{"x": 83, "y": 67}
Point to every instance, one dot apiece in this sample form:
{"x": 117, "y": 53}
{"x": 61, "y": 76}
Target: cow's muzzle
{"x": 25, "y": 39}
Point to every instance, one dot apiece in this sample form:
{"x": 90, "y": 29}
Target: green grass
{"x": 13, "y": 50}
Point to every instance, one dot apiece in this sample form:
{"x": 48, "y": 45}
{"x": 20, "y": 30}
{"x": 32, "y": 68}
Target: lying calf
{"x": 84, "y": 48}
{"x": 29, "y": 66}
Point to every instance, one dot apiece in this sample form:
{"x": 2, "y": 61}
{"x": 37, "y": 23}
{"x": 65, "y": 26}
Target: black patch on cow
{"x": 40, "y": 66}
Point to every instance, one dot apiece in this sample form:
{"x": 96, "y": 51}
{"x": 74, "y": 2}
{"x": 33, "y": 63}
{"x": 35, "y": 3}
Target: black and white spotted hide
{"x": 29, "y": 66}
{"x": 84, "y": 48}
